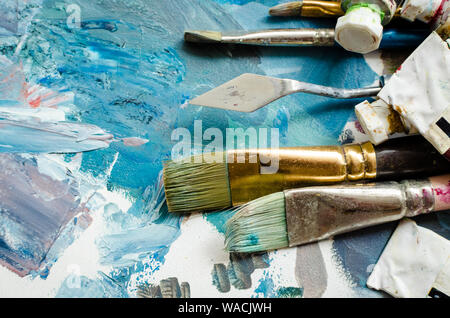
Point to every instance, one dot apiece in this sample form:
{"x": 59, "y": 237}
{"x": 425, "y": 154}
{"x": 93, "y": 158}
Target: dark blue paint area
{"x": 437, "y": 222}
{"x": 3, "y": 245}
{"x": 359, "y": 251}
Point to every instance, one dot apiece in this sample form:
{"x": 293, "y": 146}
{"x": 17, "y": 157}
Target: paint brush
{"x": 250, "y": 92}
{"x": 393, "y": 38}
{"x": 310, "y": 9}
{"x": 301, "y": 216}
{"x": 243, "y": 175}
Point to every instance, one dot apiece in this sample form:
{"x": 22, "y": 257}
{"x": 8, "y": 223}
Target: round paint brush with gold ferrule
{"x": 310, "y": 9}
{"x": 240, "y": 176}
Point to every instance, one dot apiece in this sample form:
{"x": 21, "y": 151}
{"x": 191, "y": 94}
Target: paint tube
{"x": 433, "y": 12}
{"x": 414, "y": 264}
{"x": 361, "y": 28}
{"x": 380, "y": 121}
{"x": 419, "y": 93}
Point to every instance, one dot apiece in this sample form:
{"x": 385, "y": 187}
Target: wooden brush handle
{"x": 409, "y": 157}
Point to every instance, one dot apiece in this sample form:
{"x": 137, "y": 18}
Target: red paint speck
{"x": 35, "y": 103}
{"x": 443, "y": 194}
{"x": 359, "y": 127}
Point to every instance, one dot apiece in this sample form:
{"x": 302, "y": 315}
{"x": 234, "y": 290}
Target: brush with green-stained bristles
{"x": 192, "y": 186}
{"x": 236, "y": 177}
{"x": 301, "y": 216}
{"x": 258, "y": 226}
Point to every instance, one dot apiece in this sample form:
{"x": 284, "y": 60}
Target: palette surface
{"x": 109, "y": 81}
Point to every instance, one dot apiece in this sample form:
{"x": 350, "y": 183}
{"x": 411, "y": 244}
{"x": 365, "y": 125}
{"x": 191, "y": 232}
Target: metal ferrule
{"x": 256, "y": 173}
{"x": 282, "y": 37}
{"x": 321, "y": 9}
{"x": 318, "y": 213}
{"x": 326, "y": 9}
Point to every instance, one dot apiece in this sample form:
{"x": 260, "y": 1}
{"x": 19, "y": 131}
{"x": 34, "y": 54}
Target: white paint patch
{"x": 32, "y": 114}
{"x": 191, "y": 258}
{"x": 412, "y": 262}
{"x": 282, "y": 268}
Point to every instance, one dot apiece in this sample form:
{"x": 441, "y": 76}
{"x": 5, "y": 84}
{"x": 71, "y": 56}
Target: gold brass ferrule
{"x": 317, "y": 9}
{"x": 324, "y": 9}
{"x": 256, "y": 173}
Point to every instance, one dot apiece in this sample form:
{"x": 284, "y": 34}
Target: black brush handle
{"x": 409, "y": 157}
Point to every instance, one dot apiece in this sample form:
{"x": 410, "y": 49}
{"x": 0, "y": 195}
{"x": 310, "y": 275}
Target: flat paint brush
{"x": 250, "y": 92}
{"x": 393, "y": 38}
{"x": 301, "y": 216}
{"x": 310, "y": 9}
{"x": 198, "y": 186}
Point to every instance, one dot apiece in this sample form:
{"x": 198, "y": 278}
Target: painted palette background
{"x": 122, "y": 78}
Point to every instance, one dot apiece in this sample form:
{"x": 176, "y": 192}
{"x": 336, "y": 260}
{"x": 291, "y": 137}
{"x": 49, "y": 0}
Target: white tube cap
{"x": 374, "y": 120}
{"x": 423, "y": 10}
{"x": 360, "y": 30}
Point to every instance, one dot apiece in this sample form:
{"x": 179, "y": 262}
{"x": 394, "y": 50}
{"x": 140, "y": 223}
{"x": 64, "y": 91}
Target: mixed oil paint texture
{"x": 90, "y": 92}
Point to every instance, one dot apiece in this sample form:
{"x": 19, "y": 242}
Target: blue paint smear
{"x": 266, "y": 287}
{"x": 219, "y": 219}
{"x": 137, "y": 240}
{"x": 34, "y": 209}
{"x": 84, "y": 287}
{"x": 59, "y": 137}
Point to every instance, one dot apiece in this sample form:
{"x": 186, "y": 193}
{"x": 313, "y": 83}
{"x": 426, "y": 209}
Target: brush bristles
{"x": 287, "y": 9}
{"x": 196, "y": 187}
{"x": 202, "y": 36}
{"x": 148, "y": 291}
{"x": 258, "y": 226}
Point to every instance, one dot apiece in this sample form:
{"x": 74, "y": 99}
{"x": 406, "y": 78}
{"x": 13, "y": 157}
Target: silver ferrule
{"x": 282, "y": 37}
{"x": 419, "y": 196}
{"x": 317, "y": 213}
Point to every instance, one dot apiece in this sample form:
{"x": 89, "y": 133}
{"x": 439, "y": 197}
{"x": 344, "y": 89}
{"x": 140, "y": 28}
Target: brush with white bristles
{"x": 287, "y": 9}
{"x": 301, "y": 216}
